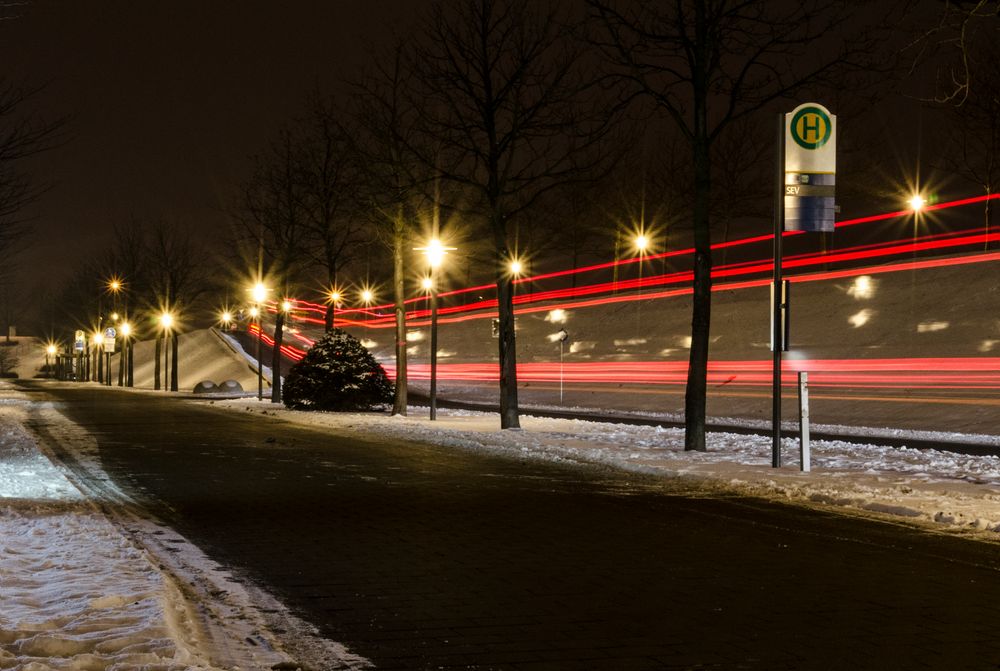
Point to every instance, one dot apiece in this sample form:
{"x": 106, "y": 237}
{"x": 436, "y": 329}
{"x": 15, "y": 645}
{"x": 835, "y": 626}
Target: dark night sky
{"x": 170, "y": 99}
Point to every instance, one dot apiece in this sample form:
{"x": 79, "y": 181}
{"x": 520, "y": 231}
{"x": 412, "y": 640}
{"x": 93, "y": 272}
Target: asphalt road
{"x": 422, "y": 557}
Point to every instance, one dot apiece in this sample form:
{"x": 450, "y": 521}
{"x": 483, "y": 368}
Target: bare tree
{"x": 947, "y": 47}
{"x": 329, "y": 170}
{"x": 973, "y": 147}
{"x": 386, "y": 125}
{"x": 706, "y": 65}
{"x": 276, "y": 217}
{"x": 504, "y": 95}
{"x": 178, "y": 277}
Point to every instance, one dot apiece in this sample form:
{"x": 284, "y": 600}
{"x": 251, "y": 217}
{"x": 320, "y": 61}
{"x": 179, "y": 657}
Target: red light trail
{"x": 915, "y": 373}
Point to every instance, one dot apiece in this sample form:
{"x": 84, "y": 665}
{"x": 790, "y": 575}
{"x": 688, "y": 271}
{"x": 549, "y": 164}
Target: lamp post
{"x": 166, "y": 322}
{"x": 97, "y": 344}
{"x": 641, "y": 245}
{"x": 126, "y": 356}
{"x": 435, "y": 252}
{"x": 334, "y": 300}
{"x": 259, "y": 293}
{"x": 50, "y": 351}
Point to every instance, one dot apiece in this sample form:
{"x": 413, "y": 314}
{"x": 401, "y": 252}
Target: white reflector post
{"x": 804, "y": 460}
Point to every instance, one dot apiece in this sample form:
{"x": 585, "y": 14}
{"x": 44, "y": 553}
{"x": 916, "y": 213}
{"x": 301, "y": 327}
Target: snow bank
{"x": 929, "y": 485}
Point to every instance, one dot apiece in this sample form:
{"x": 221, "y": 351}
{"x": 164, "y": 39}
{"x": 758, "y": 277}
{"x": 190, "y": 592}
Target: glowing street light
{"x": 917, "y": 202}
{"x": 641, "y": 243}
{"x": 435, "y": 252}
{"x": 125, "y": 379}
{"x": 367, "y": 296}
{"x": 516, "y": 267}
{"x": 333, "y": 300}
{"x": 226, "y": 318}
{"x": 166, "y": 320}
{"x": 50, "y": 351}
{"x": 286, "y": 306}
{"x": 259, "y": 294}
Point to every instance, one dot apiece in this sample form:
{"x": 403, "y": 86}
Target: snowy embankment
{"x": 957, "y": 490}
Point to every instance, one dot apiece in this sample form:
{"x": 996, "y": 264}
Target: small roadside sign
{"x": 109, "y": 340}
{"x": 79, "y": 341}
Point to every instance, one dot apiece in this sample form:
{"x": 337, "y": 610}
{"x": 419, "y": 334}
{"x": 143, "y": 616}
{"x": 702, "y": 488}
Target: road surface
{"x": 425, "y": 557}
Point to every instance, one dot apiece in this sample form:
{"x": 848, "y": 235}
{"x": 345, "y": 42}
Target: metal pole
{"x": 560, "y": 371}
{"x": 776, "y": 298}
{"x": 166, "y": 361}
{"x": 434, "y": 342}
{"x": 260, "y": 373}
{"x": 804, "y": 461}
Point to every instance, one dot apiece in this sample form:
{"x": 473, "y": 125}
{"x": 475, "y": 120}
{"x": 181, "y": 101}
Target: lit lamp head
{"x": 254, "y": 312}
{"x": 114, "y": 285}
{"x": 516, "y": 267}
{"x": 97, "y": 339}
{"x": 335, "y": 296}
{"x": 427, "y": 283}
{"x": 259, "y": 292}
{"x": 51, "y": 350}
{"x": 126, "y": 329}
{"x": 286, "y": 306}
{"x": 166, "y": 320}
{"x": 641, "y": 243}
{"x": 227, "y": 317}
{"x": 367, "y": 296}
{"x": 435, "y": 253}
{"x": 917, "y": 202}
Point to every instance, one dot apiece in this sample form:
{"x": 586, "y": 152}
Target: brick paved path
{"x": 421, "y": 557}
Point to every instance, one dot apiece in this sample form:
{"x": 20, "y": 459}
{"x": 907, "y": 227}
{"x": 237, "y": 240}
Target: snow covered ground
{"x": 85, "y": 588}
{"x": 83, "y": 591}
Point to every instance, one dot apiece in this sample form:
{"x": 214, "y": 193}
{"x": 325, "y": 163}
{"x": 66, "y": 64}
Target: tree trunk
{"x": 509, "y": 414}
{"x": 701, "y": 309}
{"x": 328, "y": 318}
{"x": 158, "y": 350}
{"x": 399, "y": 286}
{"x": 279, "y": 329}
{"x": 174, "y": 369}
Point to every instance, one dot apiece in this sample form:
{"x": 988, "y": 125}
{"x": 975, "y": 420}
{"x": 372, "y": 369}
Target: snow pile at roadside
{"x": 76, "y": 593}
{"x": 932, "y": 485}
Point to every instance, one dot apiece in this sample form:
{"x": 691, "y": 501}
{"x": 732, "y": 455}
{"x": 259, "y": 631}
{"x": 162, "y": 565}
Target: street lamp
{"x": 166, "y": 322}
{"x": 334, "y": 300}
{"x": 259, "y": 294}
{"x": 434, "y": 251}
{"x": 97, "y": 343}
{"x": 50, "y": 351}
{"x": 255, "y": 315}
{"x": 126, "y": 357}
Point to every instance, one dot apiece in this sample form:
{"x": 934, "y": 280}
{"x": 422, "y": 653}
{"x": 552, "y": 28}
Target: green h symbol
{"x": 810, "y": 124}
